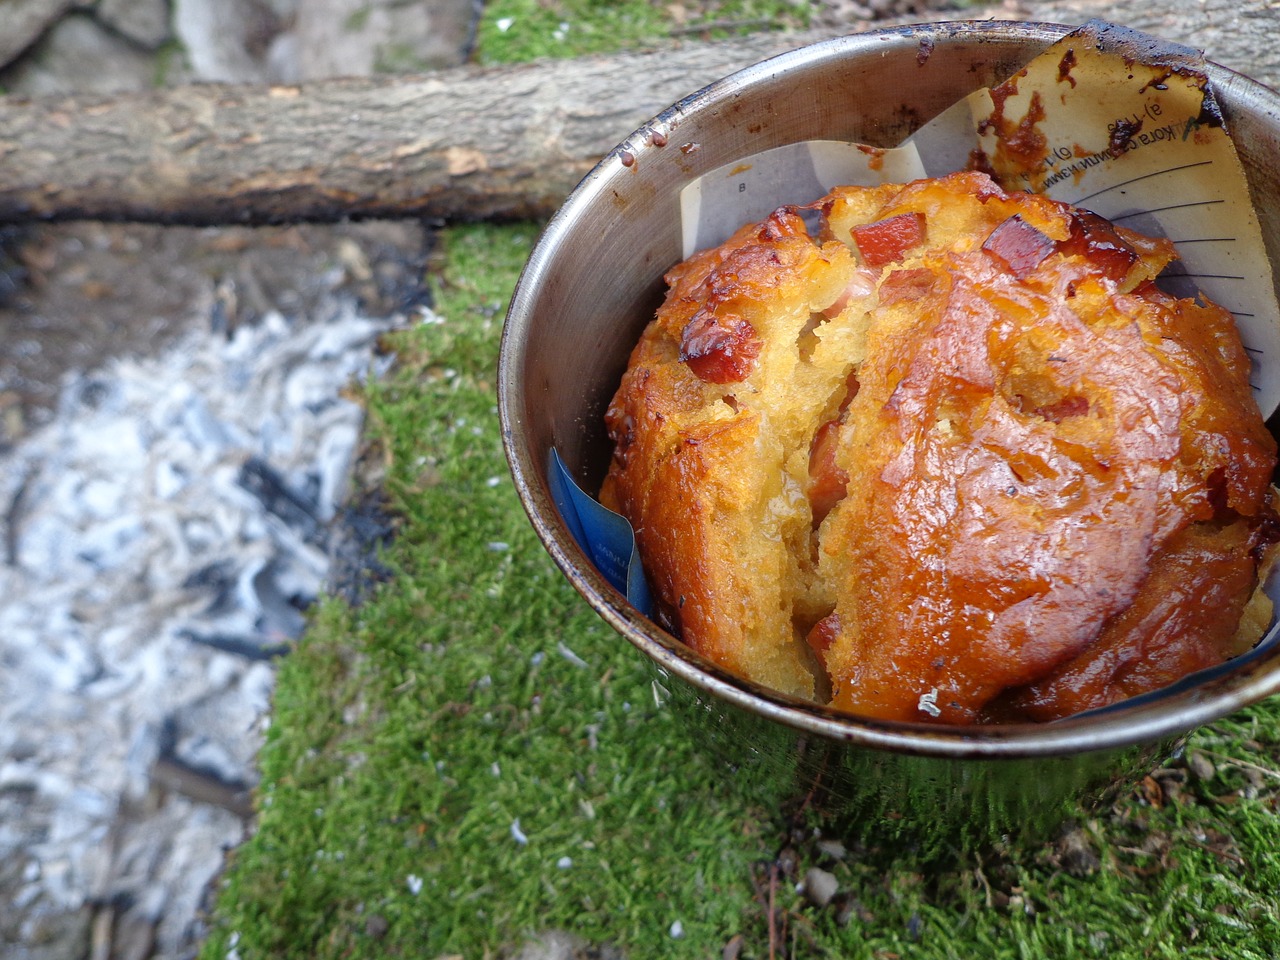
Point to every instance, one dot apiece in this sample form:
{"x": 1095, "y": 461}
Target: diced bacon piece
{"x": 1019, "y": 245}
{"x": 824, "y": 634}
{"x": 828, "y": 483}
{"x": 1096, "y": 239}
{"x": 887, "y": 241}
{"x": 719, "y": 348}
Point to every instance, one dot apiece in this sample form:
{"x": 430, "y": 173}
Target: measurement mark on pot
{"x": 1145, "y": 176}
{"x": 1181, "y": 274}
{"x": 1165, "y": 209}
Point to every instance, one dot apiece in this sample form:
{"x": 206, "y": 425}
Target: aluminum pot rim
{"x": 1122, "y": 727}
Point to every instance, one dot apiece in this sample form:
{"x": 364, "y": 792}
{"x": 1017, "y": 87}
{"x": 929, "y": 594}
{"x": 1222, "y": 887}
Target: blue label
{"x": 604, "y": 536}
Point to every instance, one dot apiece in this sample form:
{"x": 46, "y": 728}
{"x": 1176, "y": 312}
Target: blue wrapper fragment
{"x": 604, "y": 536}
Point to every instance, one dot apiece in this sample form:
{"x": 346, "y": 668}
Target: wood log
{"x": 463, "y": 144}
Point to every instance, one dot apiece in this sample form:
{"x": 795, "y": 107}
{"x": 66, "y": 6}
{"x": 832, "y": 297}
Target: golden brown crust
{"x": 945, "y": 460}
{"x": 1183, "y": 619}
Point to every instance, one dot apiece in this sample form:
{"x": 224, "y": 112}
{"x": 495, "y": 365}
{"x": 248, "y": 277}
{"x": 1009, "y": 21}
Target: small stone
{"x": 224, "y": 40}
{"x": 1201, "y": 767}
{"x": 553, "y": 945}
{"x": 78, "y": 53}
{"x": 363, "y": 37}
{"x": 143, "y": 21}
{"x": 25, "y": 21}
{"x": 1257, "y": 782}
{"x": 1076, "y": 854}
{"x": 820, "y": 886}
{"x": 1172, "y": 781}
{"x": 832, "y": 849}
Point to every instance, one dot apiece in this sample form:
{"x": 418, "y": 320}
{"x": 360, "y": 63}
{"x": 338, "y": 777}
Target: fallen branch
{"x": 462, "y": 144}
{"x": 467, "y": 143}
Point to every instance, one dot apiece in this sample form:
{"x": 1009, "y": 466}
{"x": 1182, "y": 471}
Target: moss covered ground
{"x": 517, "y": 30}
{"x": 470, "y": 758}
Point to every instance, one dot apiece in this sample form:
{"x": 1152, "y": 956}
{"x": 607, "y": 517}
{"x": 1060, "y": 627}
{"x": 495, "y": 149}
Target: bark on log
{"x": 460, "y": 144}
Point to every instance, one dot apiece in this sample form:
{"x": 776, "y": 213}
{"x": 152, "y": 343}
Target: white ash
{"x": 517, "y": 834}
{"x": 160, "y": 538}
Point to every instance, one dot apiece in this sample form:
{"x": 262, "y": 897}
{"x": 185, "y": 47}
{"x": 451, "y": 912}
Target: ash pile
{"x": 164, "y": 530}
{"x": 177, "y": 441}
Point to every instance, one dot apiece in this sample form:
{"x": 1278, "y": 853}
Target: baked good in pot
{"x": 953, "y": 457}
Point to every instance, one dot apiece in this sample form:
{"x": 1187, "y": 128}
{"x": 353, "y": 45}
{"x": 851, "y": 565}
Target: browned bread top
{"x": 955, "y": 458}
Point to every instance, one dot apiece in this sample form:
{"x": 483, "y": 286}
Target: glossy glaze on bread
{"x": 956, "y": 458}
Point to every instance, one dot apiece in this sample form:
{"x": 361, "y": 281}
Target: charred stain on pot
{"x": 1210, "y": 112}
{"x": 925, "y": 50}
{"x": 905, "y": 120}
{"x": 1159, "y": 82}
{"x": 1175, "y": 59}
{"x": 1065, "y": 66}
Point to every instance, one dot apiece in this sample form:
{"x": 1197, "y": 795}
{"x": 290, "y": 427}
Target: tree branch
{"x": 463, "y": 144}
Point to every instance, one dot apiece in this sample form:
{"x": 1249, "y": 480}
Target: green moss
{"x": 519, "y": 30}
{"x": 417, "y": 739}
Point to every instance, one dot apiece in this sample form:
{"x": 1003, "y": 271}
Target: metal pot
{"x": 593, "y": 282}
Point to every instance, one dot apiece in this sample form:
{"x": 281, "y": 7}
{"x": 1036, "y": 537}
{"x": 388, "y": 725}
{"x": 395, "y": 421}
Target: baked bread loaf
{"x": 953, "y": 457}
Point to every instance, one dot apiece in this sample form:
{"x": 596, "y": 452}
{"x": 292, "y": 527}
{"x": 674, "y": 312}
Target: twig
{"x": 1224, "y": 854}
{"x": 100, "y": 936}
{"x": 1136, "y": 851}
{"x": 1236, "y": 762}
{"x": 773, "y": 926}
{"x": 986, "y": 885}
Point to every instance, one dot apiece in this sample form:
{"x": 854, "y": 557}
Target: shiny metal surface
{"x": 593, "y": 282}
